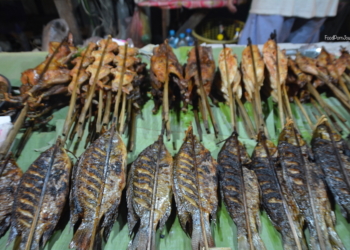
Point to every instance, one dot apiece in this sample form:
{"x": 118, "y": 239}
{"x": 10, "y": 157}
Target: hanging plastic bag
{"x": 139, "y": 29}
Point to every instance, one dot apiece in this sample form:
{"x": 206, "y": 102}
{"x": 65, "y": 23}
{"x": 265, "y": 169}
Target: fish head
{"x": 290, "y": 135}
{"x": 265, "y": 148}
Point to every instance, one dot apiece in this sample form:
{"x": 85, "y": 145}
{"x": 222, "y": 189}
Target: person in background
{"x": 295, "y": 21}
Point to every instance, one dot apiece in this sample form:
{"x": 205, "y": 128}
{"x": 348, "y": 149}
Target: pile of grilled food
{"x": 105, "y": 86}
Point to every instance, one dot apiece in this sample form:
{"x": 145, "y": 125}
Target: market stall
{"x": 147, "y": 131}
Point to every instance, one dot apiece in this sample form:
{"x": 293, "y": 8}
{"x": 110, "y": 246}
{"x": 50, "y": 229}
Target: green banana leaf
{"x": 148, "y": 129}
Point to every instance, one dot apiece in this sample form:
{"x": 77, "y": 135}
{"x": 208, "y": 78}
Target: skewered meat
{"x": 207, "y": 69}
{"x": 158, "y": 77}
{"x": 303, "y": 183}
{"x": 332, "y": 155}
{"x": 325, "y": 60}
{"x": 127, "y": 79}
{"x": 98, "y": 182}
{"x": 248, "y": 70}
{"x": 112, "y": 46}
{"x": 264, "y": 164}
{"x": 269, "y": 52}
{"x": 149, "y": 188}
{"x": 233, "y": 158}
{"x": 40, "y": 198}
{"x": 234, "y": 76}
{"x": 10, "y": 175}
{"x": 195, "y": 189}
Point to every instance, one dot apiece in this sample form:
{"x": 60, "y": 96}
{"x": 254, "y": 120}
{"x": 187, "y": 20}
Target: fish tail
{"x": 198, "y": 240}
{"x": 83, "y": 237}
{"x": 141, "y": 241}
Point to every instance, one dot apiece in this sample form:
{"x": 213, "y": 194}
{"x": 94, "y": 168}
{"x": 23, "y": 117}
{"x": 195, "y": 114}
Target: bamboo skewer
{"x": 107, "y": 113}
{"x": 343, "y": 86}
{"x": 99, "y": 114}
{"x": 329, "y": 115}
{"x": 117, "y": 98}
{"x": 296, "y": 100}
{"x": 165, "y": 108}
{"x": 91, "y": 90}
{"x": 122, "y": 115}
{"x": 249, "y": 125}
{"x": 132, "y": 133}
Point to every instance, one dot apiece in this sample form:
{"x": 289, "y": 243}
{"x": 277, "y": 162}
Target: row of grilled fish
{"x": 291, "y": 185}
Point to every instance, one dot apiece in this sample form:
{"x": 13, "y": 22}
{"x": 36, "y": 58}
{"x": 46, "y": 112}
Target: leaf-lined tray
{"x": 148, "y": 129}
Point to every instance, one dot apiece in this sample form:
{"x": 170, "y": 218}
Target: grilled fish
{"x": 333, "y": 156}
{"x": 98, "y": 181}
{"x": 248, "y": 70}
{"x": 195, "y": 189}
{"x": 207, "y": 69}
{"x": 40, "y": 199}
{"x": 303, "y": 182}
{"x": 10, "y": 175}
{"x": 234, "y": 76}
{"x": 149, "y": 188}
{"x": 240, "y": 192}
{"x": 264, "y": 164}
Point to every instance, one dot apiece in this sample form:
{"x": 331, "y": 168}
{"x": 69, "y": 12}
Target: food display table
{"x": 148, "y": 129}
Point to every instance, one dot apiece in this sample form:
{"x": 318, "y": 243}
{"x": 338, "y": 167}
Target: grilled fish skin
{"x": 88, "y": 201}
{"x": 264, "y": 164}
{"x": 34, "y": 234}
{"x": 195, "y": 189}
{"x": 337, "y": 173}
{"x": 10, "y": 176}
{"x": 141, "y": 180}
{"x": 232, "y": 192}
{"x": 305, "y": 185}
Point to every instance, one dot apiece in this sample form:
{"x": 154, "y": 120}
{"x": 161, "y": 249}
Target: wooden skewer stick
{"x": 5, "y": 147}
{"x": 287, "y": 103}
{"x": 343, "y": 86}
{"x": 203, "y": 96}
{"x": 296, "y": 100}
{"x": 99, "y": 112}
{"x": 165, "y": 107}
{"x": 107, "y": 113}
{"x": 128, "y": 112}
{"x": 230, "y": 94}
{"x": 132, "y": 134}
{"x": 92, "y": 90}
{"x": 249, "y": 125}
{"x": 122, "y": 115}
{"x": 279, "y": 92}
{"x": 117, "y": 98}
{"x": 199, "y": 129}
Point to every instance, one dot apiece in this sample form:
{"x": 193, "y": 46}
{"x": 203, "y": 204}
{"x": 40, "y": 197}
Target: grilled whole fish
{"x": 334, "y": 159}
{"x": 264, "y": 164}
{"x": 98, "y": 181}
{"x": 40, "y": 199}
{"x": 234, "y": 185}
{"x": 144, "y": 194}
{"x": 10, "y": 175}
{"x": 195, "y": 189}
{"x": 303, "y": 182}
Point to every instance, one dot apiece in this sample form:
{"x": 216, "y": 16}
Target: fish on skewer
{"x": 234, "y": 75}
{"x": 10, "y": 176}
{"x": 305, "y": 185}
{"x": 264, "y": 164}
{"x": 195, "y": 190}
{"x": 240, "y": 191}
{"x": 332, "y": 154}
{"x": 98, "y": 181}
{"x": 40, "y": 198}
{"x": 149, "y": 188}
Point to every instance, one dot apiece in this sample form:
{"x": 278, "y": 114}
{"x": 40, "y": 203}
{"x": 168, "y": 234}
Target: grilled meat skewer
{"x": 195, "y": 190}
{"x": 240, "y": 192}
{"x": 149, "y": 188}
